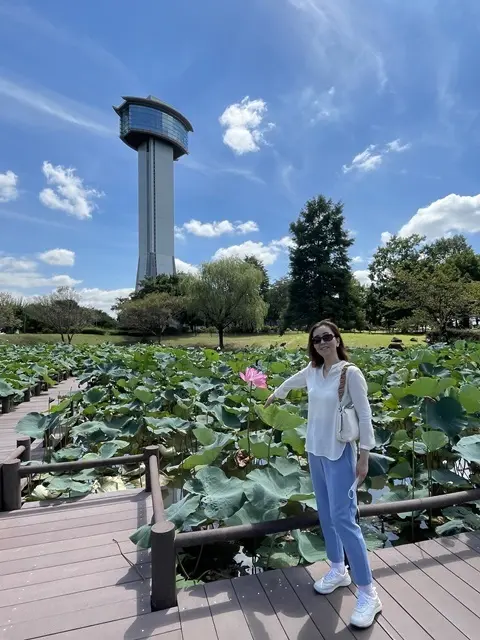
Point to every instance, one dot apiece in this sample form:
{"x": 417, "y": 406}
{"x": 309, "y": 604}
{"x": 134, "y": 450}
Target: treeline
{"x": 414, "y": 286}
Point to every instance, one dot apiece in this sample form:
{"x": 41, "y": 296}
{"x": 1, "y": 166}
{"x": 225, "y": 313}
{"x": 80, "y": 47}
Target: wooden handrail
{"x": 78, "y": 465}
{"x": 309, "y": 519}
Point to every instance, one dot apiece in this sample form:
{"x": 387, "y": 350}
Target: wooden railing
{"x": 7, "y": 402}
{"x": 164, "y": 541}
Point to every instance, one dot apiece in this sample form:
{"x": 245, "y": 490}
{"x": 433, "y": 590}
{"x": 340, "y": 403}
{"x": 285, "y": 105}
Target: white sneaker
{"x": 331, "y": 581}
{"x": 366, "y": 609}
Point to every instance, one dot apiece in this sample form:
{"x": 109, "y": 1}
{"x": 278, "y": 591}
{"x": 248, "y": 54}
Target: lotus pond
{"x": 227, "y": 460}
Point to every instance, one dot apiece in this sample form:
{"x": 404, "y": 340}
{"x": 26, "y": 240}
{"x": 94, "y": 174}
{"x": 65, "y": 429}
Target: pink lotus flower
{"x": 254, "y": 377}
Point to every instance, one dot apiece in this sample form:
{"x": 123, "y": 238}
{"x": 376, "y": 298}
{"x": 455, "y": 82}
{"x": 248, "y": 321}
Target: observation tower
{"x": 159, "y": 134}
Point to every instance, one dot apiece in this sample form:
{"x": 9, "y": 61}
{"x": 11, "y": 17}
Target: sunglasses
{"x": 327, "y": 337}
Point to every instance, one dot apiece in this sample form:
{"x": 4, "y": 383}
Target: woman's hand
{"x": 362, "y": 466}
{"x": 269, "y": 400}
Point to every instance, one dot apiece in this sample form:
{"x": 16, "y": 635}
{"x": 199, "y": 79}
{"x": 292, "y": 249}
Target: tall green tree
{"x": 265, "y": 284}
{"x": 61, "y": 312}
{"x": 321, "y": 277}
{"x": 278, "y": 297}
{"x": 386, "y": 290}
{"x": 226, "y": 293}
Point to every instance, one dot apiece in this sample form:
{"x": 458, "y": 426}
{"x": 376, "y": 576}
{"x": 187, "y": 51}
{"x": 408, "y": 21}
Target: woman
{"x": 334, "y": 467}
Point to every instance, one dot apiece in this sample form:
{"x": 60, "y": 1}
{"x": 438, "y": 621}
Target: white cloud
{"x": 215, "y": 229}
{"x": 8, "y": 186}
{"x": 185, "y": 267}
{"x": 54, "y": 106}
{"x": 320, "y": 106}
{"x": 357, "y": 260}
{"x": 242, "y": 122}
{"x": 266, "y": 253}
{"x": 22, "y": 273}
{"x": 103, "y": 299}
{"x": 9, "y": 263}
{"x": 58, "y": 257}
{"x": 397, "y": 147}
{"x": 365, "y": 161}
{"x": 69, "y": 193}
{"x": 373, "y": 156}
{"x": 63, "y": 281}
{"x": 451, "y": 214}
{"x": 386, "y": 237}
{"x": 246, "y": 227}
{"x": 362, "y": 277}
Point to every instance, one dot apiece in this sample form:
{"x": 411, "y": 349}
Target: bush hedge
{"x": 451, "y": 335}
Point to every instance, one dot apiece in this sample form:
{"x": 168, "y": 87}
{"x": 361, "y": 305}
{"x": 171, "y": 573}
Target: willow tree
{"x": 226, "y": 293}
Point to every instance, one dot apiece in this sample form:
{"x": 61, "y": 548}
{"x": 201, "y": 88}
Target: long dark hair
{"x": 315, "y": 358}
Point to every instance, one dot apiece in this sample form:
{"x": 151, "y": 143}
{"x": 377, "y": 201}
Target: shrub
{"x": 451, "y": 335}
{"x": 94, "y": 331}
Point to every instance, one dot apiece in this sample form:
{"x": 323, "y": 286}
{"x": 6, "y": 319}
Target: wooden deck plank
{"x": 318, "y": 608}
{"x": 256, "y": 607}
{"x": 75, "y": 533}
{"x": 66, "y": 546}
{"x": 69, "y": 571}
{"x": 432, "y": 621}
{"x": 195, "y": 615}
{"x": 458, "y": 614}
{"x": 467, "y": 554}
{"x": 88, "y": 582}
{"x": 74, "y": 513}
{"x": 443, "y": 576}
{"x": 343, "y": 601}
{"x": 164, "y": 625}
{"x": 399, "y": 619}
{"x": 228, "y": 618}
{"x": 138, "y": 592}
{"x": 65, "y": 526}
{"x": 75, "y": 556}
{"x": 471, "y": 540}
{"x": 82, "y": 619}
{"x": 453, "y": 562}
{"x": 290, "y": 611}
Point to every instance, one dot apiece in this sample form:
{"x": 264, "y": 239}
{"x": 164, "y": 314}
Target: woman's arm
{"x": 297, "y": 381}
{"x": 358, "y": 390}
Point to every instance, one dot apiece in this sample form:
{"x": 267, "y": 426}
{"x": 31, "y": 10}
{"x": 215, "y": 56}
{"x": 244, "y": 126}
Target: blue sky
{"x": 373, "y": 103}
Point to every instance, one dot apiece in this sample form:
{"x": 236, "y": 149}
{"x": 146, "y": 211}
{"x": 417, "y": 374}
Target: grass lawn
{"x": 291, "y": 340}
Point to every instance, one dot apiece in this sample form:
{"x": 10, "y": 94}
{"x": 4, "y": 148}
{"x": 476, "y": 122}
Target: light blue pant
{"x": 332, "y": 481}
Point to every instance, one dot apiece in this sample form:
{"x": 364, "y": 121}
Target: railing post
{"x": 25, "y": 441}
{"x": 11, "y": 486}
{"x": 164, "y": 588}
{"x": 148, "y": 451}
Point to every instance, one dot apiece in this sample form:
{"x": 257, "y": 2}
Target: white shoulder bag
{"x": 347, "y": 427}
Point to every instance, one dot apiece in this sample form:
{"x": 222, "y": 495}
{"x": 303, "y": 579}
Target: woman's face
{"x": 325, "y": 342}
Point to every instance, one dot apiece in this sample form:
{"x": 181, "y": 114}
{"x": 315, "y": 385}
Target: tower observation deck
{"x": 159, "y": 134}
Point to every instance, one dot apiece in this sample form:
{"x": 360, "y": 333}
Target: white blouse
{"x": 323, "y": 405}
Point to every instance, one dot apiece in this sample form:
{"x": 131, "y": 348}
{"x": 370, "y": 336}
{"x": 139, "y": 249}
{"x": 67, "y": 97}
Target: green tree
{"x": 226, "y": 294}
{"x": 150, "y": 314}
{"x": 321, "y": 277}
{"x": 265, "y": 284}
{"x": 8, "y": 308}
{"x": 278, "y": 297}
{"x": 384, "y": 303}
{"x": 60, "y": 312}
{"x": 440, "y": 295}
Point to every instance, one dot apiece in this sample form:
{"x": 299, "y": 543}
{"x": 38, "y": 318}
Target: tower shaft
{"x": 155, "y": 210}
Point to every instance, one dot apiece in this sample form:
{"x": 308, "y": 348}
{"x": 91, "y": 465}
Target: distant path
{"x": 8, "y": 421}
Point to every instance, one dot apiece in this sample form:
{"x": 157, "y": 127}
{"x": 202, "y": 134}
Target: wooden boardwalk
{"x": 8, "y": 421}
{"x": 68, "y": 571}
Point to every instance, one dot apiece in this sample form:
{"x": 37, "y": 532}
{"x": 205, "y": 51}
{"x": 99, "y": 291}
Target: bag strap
{"x": 343, "y": 382}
